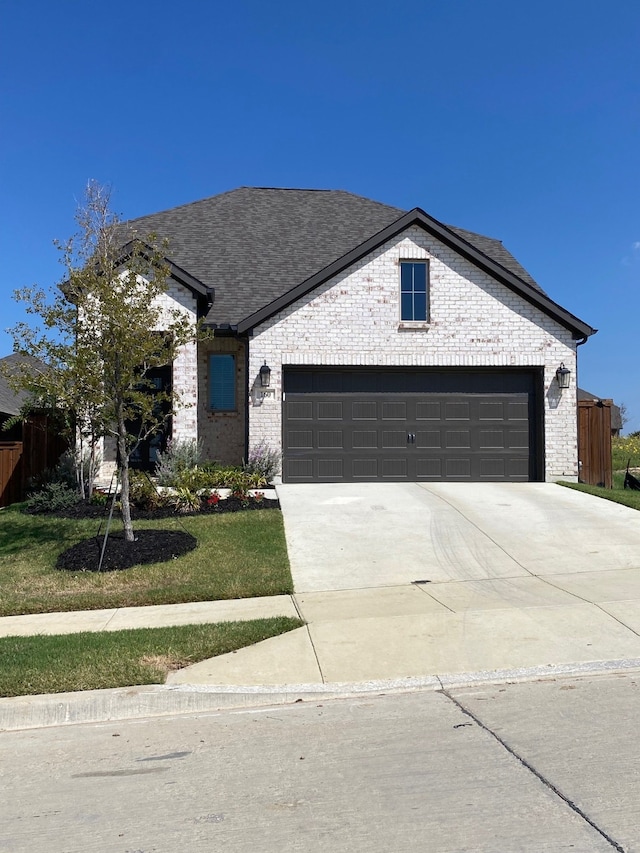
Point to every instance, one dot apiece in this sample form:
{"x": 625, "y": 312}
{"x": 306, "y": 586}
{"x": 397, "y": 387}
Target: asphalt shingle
{"x": 253, "y": 244}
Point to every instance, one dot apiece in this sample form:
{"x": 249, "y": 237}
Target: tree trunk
{"x": 123, "y": 469}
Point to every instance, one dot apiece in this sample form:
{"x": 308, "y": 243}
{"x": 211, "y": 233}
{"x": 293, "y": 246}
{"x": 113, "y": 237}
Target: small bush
{"x": 142, "y": 492}
{"x": 263, "y": 461}
{"x": 180, "y": 456}
{"x": 184, "y": 500}
{"x": 52, "y": 497}
{"x": 196, "y": 479}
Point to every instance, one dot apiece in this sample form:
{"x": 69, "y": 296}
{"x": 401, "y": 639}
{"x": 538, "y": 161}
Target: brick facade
{"x": 474, "y": 322}
{"x": 222, "y": 434}
{"x": 184, "y": 377}
{"x": 354, "y": 320}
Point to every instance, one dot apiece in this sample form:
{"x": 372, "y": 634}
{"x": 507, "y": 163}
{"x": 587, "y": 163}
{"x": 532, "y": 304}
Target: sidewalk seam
{"x": 306, "y": 625}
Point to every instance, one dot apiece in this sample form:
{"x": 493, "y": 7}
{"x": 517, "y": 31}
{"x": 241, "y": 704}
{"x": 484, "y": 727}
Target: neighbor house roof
{"x": 11, "y": 401}
{"x": 253, "y": 246}
{"x": 616, "y": 415}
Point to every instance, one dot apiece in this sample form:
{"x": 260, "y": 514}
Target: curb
{"x": 127, "y": 703}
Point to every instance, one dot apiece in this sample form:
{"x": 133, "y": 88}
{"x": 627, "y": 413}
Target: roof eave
{"x": 437, "y": 229}
{"x": 203, "y": 294}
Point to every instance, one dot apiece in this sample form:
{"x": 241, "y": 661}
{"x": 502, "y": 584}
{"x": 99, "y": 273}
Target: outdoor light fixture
{"x": 562, "y": 375}
{"x": 265, "y": 375}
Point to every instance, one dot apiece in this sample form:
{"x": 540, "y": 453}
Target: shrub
{"x": 53, "y": 496}
{"x": 142, "y": 492}
{"x": 184, "y": 500}
{"x": 180, "y": 456}
{"x": 196, "y": 479}
{"x": 263, "y": 461}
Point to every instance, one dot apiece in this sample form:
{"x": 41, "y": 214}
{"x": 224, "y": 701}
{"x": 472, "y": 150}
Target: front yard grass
{"x": 618, "y": 493}
{"x": 239, "y": 555}
{"x": 90, "y": 661}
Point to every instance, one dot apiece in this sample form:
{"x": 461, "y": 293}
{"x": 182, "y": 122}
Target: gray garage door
{"x": 354, "y": 425}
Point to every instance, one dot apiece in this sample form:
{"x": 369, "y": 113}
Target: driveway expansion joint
{"x": 541, "y": 777}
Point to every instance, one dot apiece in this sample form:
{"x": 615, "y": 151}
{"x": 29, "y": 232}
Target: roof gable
{"x": 258, "y": 249}
{"x": 449, "y": 237}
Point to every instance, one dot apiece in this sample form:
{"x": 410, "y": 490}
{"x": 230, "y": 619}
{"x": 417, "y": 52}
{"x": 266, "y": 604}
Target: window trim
{"x": 220, "y": 409}
{"x": 414, "y": 322}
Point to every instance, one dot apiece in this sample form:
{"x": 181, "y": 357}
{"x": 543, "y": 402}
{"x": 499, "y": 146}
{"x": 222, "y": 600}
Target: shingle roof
{"x": 616, "y": 414}
{"x": 252, "y": 244}
{"x": 10, "y": 400}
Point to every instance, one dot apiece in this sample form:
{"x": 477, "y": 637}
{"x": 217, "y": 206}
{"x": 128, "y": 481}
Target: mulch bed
{"x": 87, "y": 510}
{"x": 150, "y": 546}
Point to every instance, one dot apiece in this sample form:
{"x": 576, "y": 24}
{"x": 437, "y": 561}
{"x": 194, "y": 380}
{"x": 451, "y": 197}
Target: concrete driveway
{"x": 358, "y": 536}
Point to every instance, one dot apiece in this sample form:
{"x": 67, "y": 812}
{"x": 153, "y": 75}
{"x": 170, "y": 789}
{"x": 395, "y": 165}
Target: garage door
{"x": 354, "y": 425}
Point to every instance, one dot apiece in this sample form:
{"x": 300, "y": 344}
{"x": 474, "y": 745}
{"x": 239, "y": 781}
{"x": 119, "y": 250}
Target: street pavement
{"x": 513, "y": 768}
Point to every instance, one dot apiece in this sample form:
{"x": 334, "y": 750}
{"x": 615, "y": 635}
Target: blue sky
{"x": 517, "y": 120}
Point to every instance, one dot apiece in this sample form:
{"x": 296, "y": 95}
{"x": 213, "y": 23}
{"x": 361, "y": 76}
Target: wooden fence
{"x": 41, "y": 448}
{"x": 11, "y": 481}
{"x": 594, "y": 442}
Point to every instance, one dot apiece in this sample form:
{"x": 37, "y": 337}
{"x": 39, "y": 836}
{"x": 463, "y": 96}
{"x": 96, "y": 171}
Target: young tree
{"x": 100, "y": 332}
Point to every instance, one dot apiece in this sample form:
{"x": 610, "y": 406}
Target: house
{"x": 616, "y": 414}
{"x": 366, "y": 342}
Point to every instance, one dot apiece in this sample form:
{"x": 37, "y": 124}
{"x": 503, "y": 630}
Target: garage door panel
{"x": 364, "y": 411}
{"x": 518, "y": 412}
{"x": 365, "y": 469}
{"x": 457, "y": 438}
{"x": 491, "y": 411}
{"x": 428, "y": 439}
{"x": 330, "y": 469}
{"x": 518, "y": 439}
{"x": 429, "y": 469}
{"x": 330, "y": 411}
{"x": 457, "y": 469}
{"x": 298, "y": 470}
{"x": 457, "y": 411}
{"x": 428, "y": 411}
{"x": 361, "y": 439}
{"x": 394, "y": 469}
{"x": 330, "y": 439}
{"x": 300, "y": 439}
{"x": 300, "y": 410}
{"x": 394, "y": 411}
{"x": 353, "y": 433}
{"x": 394, "y": 438}
{"x": 493, "y": 438}
{"x": 491, "y": 469}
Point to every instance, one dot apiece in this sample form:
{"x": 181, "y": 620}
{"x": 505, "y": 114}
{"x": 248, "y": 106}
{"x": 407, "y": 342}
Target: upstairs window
{"x": 414, "y": 297}
{"x": 222, "y": 382}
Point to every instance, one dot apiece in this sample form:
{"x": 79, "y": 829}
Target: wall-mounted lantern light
{"x": 265, "y": 375}
{"x": 562, "y": 375}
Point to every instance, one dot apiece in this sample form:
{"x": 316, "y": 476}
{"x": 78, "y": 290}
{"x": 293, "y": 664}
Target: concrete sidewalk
{"x": 409, "y": 631}
{"x": 442, "y": 629}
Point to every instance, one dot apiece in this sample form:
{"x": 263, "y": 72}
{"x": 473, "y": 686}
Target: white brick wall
{"x": 185, "y": 375}
{"x": 474, "y": 322}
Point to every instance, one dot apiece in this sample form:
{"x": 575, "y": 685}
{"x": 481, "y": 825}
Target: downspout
{"x": 579, "y": 343}
{"x": 247, "y": 396}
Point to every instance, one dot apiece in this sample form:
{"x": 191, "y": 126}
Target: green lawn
{"x": 239, "y": 555}
{"x": 618, "y": 494}
{"x": 90, "y": 661}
